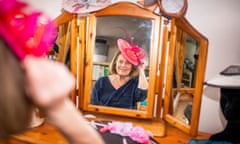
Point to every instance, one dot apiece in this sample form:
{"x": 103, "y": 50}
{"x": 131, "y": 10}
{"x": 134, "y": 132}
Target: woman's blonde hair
{"x": 112, "y": 67}
{"x": 15, "y": 106}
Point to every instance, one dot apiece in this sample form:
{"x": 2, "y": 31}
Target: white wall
{"x": 51, "y": 7}
{"x": 219, "y": 21}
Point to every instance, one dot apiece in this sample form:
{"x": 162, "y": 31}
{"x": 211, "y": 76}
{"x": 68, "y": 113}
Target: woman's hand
{"x": 141, "y": 67}
{"x": 143, "y": 83}
{"x": 49, "y": 85}
{"x": 48, "y": 82}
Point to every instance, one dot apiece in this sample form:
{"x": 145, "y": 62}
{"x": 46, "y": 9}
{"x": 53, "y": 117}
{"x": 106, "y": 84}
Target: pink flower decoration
{"x": 22, "y": 31}
{"x": 132, "y": 53}
{"x": 123, "y": 129}
{"x": 138, "y": 134}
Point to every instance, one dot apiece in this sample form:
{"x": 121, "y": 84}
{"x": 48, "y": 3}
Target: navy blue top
{"x": 126, "y": 96}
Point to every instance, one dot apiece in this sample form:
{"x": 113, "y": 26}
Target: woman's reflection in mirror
{"x": 126, "y": 83}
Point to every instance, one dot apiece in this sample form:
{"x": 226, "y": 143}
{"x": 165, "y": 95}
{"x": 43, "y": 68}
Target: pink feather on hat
{"x": 132, "y": 53}
{"x": 22, "y": 30}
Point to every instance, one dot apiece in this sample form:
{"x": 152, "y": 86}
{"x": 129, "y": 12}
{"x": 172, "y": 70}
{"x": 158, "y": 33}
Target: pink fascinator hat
{"x": 132, "y": 53}
{"x": 84, "y": 6}
{"x": 25, "y": 30}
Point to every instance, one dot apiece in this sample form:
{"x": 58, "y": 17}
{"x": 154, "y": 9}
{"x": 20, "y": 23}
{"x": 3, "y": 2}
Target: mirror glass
{"x": 108, "y": 30}
{"x": 63, "y": 43}
{"x": 61, "y": 49}
{"x": 184, "y": 72}
{"x": 105, "y": 27}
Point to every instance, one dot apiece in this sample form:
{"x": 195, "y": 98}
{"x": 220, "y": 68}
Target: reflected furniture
{"x": 229, "y": 86}
{"x": 185, "y": 43}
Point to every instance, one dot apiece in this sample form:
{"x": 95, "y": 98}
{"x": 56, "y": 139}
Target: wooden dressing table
{"x": 168, "y": 43}
{"x": 47, "y": 134}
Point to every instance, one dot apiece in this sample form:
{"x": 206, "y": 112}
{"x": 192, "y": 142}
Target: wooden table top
{"x": 47, "y": 134}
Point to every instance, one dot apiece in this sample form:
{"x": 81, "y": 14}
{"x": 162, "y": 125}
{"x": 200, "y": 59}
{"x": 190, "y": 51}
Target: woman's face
{"x": 123, "y": 67}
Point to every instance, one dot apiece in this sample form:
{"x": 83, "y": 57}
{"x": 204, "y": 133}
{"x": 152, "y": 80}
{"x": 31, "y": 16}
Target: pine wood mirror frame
{"x": 177, "y": 41}
{"x": 66, "y": 41}
{"x": 82, "y": 43}
{"x": 130, "y": 10}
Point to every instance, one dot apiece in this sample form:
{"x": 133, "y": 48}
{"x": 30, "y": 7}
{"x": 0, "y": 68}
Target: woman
{"x": 126, "y": 83}
{"x": 23, "y": 86}
{"x": 28, "y": 80}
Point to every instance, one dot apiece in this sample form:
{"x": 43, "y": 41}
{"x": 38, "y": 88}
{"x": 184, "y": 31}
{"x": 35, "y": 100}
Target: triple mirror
{"x": 93, "y": 42}
{"x": 185, "y": 72}
{"x": 125, "y": 21}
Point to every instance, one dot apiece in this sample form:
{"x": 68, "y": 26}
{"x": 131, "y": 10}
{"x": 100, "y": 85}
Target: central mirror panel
{"x": 108, "y": 30}
{"x": 121, "y": 21}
